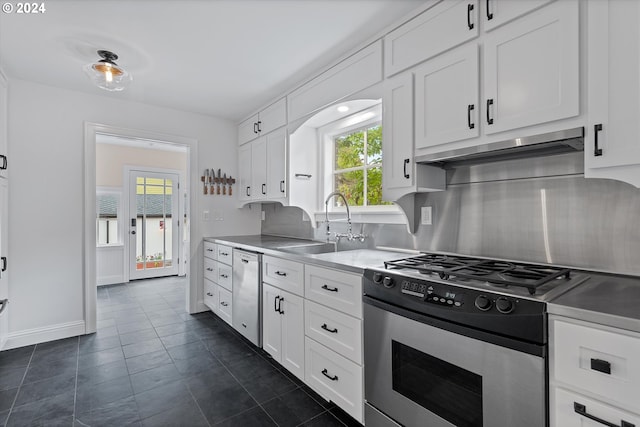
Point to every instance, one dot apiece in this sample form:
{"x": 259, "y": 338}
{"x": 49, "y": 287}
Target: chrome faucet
{"x": 349, "y": 234}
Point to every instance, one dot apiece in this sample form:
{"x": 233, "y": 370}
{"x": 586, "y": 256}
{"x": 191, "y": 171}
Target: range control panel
{"x": 432, "y": 294}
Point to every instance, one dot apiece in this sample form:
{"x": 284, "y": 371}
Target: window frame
{"x": 119, "y": 215}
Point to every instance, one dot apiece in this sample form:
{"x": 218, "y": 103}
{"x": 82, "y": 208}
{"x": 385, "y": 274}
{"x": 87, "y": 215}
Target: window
{"x": 108, "y": 220}
{"x": 353, "y": 157}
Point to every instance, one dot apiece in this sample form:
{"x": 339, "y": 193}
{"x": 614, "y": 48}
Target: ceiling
{"x": 224, "y": 58}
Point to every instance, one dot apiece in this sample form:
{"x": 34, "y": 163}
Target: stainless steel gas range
{"x": 458, "y": 341}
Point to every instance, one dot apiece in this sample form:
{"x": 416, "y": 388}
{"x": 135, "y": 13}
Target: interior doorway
{"x": 172, "y": 246}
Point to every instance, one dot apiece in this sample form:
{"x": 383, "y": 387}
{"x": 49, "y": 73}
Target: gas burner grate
{"x": 501, "y": 273}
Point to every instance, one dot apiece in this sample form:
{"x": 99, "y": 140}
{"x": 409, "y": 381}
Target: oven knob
{"x": 388, "y": 282}
{"x": 504, "y": 305}
{"x": 483, "y": 303}
{"x": 377, "y": 277}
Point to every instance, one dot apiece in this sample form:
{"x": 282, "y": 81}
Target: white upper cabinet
{"x": 277, "y": 165}
{"x": 357, "y": 72}
{"x": 244, "y": 168}
{"x": 401, "y": 175}
{"x": 263, "y": 168}
{"x": 531, "y": 69}
{"x": 267, "y": 120}
{"x": 447, "y": 97}
{"x": 259, "y": 169}
{"x": 498, "y": 12}
{"x": 4, "y": 110}
{"x": 612, "y": 143}
{"x": 442, "y": 27}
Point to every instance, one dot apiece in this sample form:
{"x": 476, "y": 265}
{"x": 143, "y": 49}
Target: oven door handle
{"x": 582, "y": 410}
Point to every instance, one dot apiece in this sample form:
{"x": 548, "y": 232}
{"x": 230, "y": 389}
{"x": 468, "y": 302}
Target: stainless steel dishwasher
{"x": 247, "y": 295}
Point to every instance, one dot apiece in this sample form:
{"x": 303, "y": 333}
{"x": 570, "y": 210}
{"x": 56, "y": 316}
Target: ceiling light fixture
{"x": 343, "y": 109}
{"x": 106, "y": 74}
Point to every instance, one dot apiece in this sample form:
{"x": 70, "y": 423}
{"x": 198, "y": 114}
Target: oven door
{"x": 421, "y": 375}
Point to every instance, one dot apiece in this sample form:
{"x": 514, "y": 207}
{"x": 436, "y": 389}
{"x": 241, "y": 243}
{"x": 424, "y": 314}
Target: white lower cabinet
{"x": 211, "y": 295}
{"x": 224, "y": 305}
{"x": 218, "y": 280}
{"x": 283, "y": 328}
{"x": 334, "y": 329}
{"x": 334, "y": 377}
{"x": 594, "y": 374}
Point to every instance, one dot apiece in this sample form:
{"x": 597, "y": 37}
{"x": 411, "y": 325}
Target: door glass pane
{"x": 166, "y": 225}
{"x": 451, "y": 392}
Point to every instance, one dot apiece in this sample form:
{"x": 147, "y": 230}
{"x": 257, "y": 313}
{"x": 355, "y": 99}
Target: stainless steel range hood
{"x": 531, "y": 146}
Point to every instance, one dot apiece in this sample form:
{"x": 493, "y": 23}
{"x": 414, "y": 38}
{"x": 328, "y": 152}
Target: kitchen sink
{"x": 312, "y": 248}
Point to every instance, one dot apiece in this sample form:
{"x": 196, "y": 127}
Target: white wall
{"x": 46, "y": 131}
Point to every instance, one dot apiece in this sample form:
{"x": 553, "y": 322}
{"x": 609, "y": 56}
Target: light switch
{"x": 426, "y": 215}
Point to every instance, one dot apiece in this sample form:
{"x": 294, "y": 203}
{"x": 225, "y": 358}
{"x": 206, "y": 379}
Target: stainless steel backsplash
{"x": 537, "y": 210}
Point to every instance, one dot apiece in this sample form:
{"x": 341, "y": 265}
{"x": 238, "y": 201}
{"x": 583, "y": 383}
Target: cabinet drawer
{"x": 224, "y": 305}
{"x": 225, "y": 276}
{"x": 211, "y": 269}
{"x": 582, "y": 356}
{"x": 334, "y": 377}
{"x": 211, "y": 295}
{"x": 565, "y": 404}
{"x": 335, "y": 289}
{"x": 225, "y": 254}
{"x": 285, "y": 274}
{"x": 335, "y": 330}
{"x": 210, "y": 250}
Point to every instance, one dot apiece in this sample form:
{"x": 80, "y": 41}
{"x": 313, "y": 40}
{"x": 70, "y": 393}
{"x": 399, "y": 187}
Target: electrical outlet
{"x": 205, "y": 215}
{"x": 426, "y": 217}
{"x": 217, "y": 215}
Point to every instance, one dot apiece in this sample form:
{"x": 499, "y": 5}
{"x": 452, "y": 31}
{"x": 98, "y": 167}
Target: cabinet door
{"x": 531, "y": 69}
{"x": 614, "y": 87}
{"x": 271, "y": 322}
{"x": 4, "y": 111}
{"x": 447, "y": 98}
{"x": 277, "y": 164}
{"x": 442, "y": 27}
{"x": 259, "y": 169}
{"x": 273, "y": 117}
{"x": 498, "y": 12}
{"x": 248, "y": 130}
{"x": 244, "y": 167}
{"x": 292, "y": 333}
{"x": 225, "y": 299}
{"x": 4, "y": 278}
{"x": 397, "y": 135}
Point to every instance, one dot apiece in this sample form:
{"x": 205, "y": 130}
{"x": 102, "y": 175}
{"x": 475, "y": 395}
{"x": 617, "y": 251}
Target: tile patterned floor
{"x": 152, "y": 364}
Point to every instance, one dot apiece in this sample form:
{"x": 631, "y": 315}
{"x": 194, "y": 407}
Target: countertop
{"x": 605, "y": 299}
{"x": 355, "y": 260}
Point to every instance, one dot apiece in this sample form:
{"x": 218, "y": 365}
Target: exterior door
{"x": 153, "y": 224}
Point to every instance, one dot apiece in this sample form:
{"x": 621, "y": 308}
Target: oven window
{"x": 449, "y": 391}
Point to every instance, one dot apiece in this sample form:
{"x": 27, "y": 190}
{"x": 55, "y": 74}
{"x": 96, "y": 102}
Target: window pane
{"x": 351, "y": 184}
{"x": 374, "y": 187}
{"x": 349, "y": 150}
{"x": 374, "y": 145}
{"x": 107, "y": 207}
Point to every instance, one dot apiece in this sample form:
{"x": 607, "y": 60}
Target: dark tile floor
{"x": 152, "y": 364}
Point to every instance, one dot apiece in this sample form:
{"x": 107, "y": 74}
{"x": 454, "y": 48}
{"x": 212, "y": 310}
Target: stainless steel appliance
{"x": 247, "y": 295}
{"x": 458, "y": 341}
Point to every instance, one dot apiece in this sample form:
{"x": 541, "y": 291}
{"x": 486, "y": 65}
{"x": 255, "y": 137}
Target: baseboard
{"x": 49, "y": 333}
{"x": 110, "y": 280}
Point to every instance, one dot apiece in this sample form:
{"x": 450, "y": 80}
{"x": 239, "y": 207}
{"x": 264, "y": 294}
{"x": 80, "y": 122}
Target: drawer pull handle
{"x": 326, "y": 328}
{"x": 469, "y": 23}
{"x": 597, "y": 151}
{"x": 470, "y": 108}
{"x": 281, "y": 273}
{"x": 209, "y": 269}
{"x": 209, "y": 250}
{"x": 224, "y": 304}
{"x": 335, "y": 377}
{"x": 601, "y": 366}
{"x": 275, "y": 304}
{"x": 325, "y": 287}
{"x": 224, "y": 276}
{"x": 246, "y": 261}
{"x": 280, "y": 310}
{"x": 582, "y": 410}
{"x": 224, "y": 253}
{"x": 489, "y": 118}
{"x": 209, "y": 294}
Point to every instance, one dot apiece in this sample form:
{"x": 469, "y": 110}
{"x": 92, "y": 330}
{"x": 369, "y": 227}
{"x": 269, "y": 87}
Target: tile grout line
{"x": 24, "y": 376}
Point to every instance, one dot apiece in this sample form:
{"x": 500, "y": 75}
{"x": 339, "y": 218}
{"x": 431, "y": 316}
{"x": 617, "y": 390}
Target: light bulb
{"x": 108, "y": 75}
